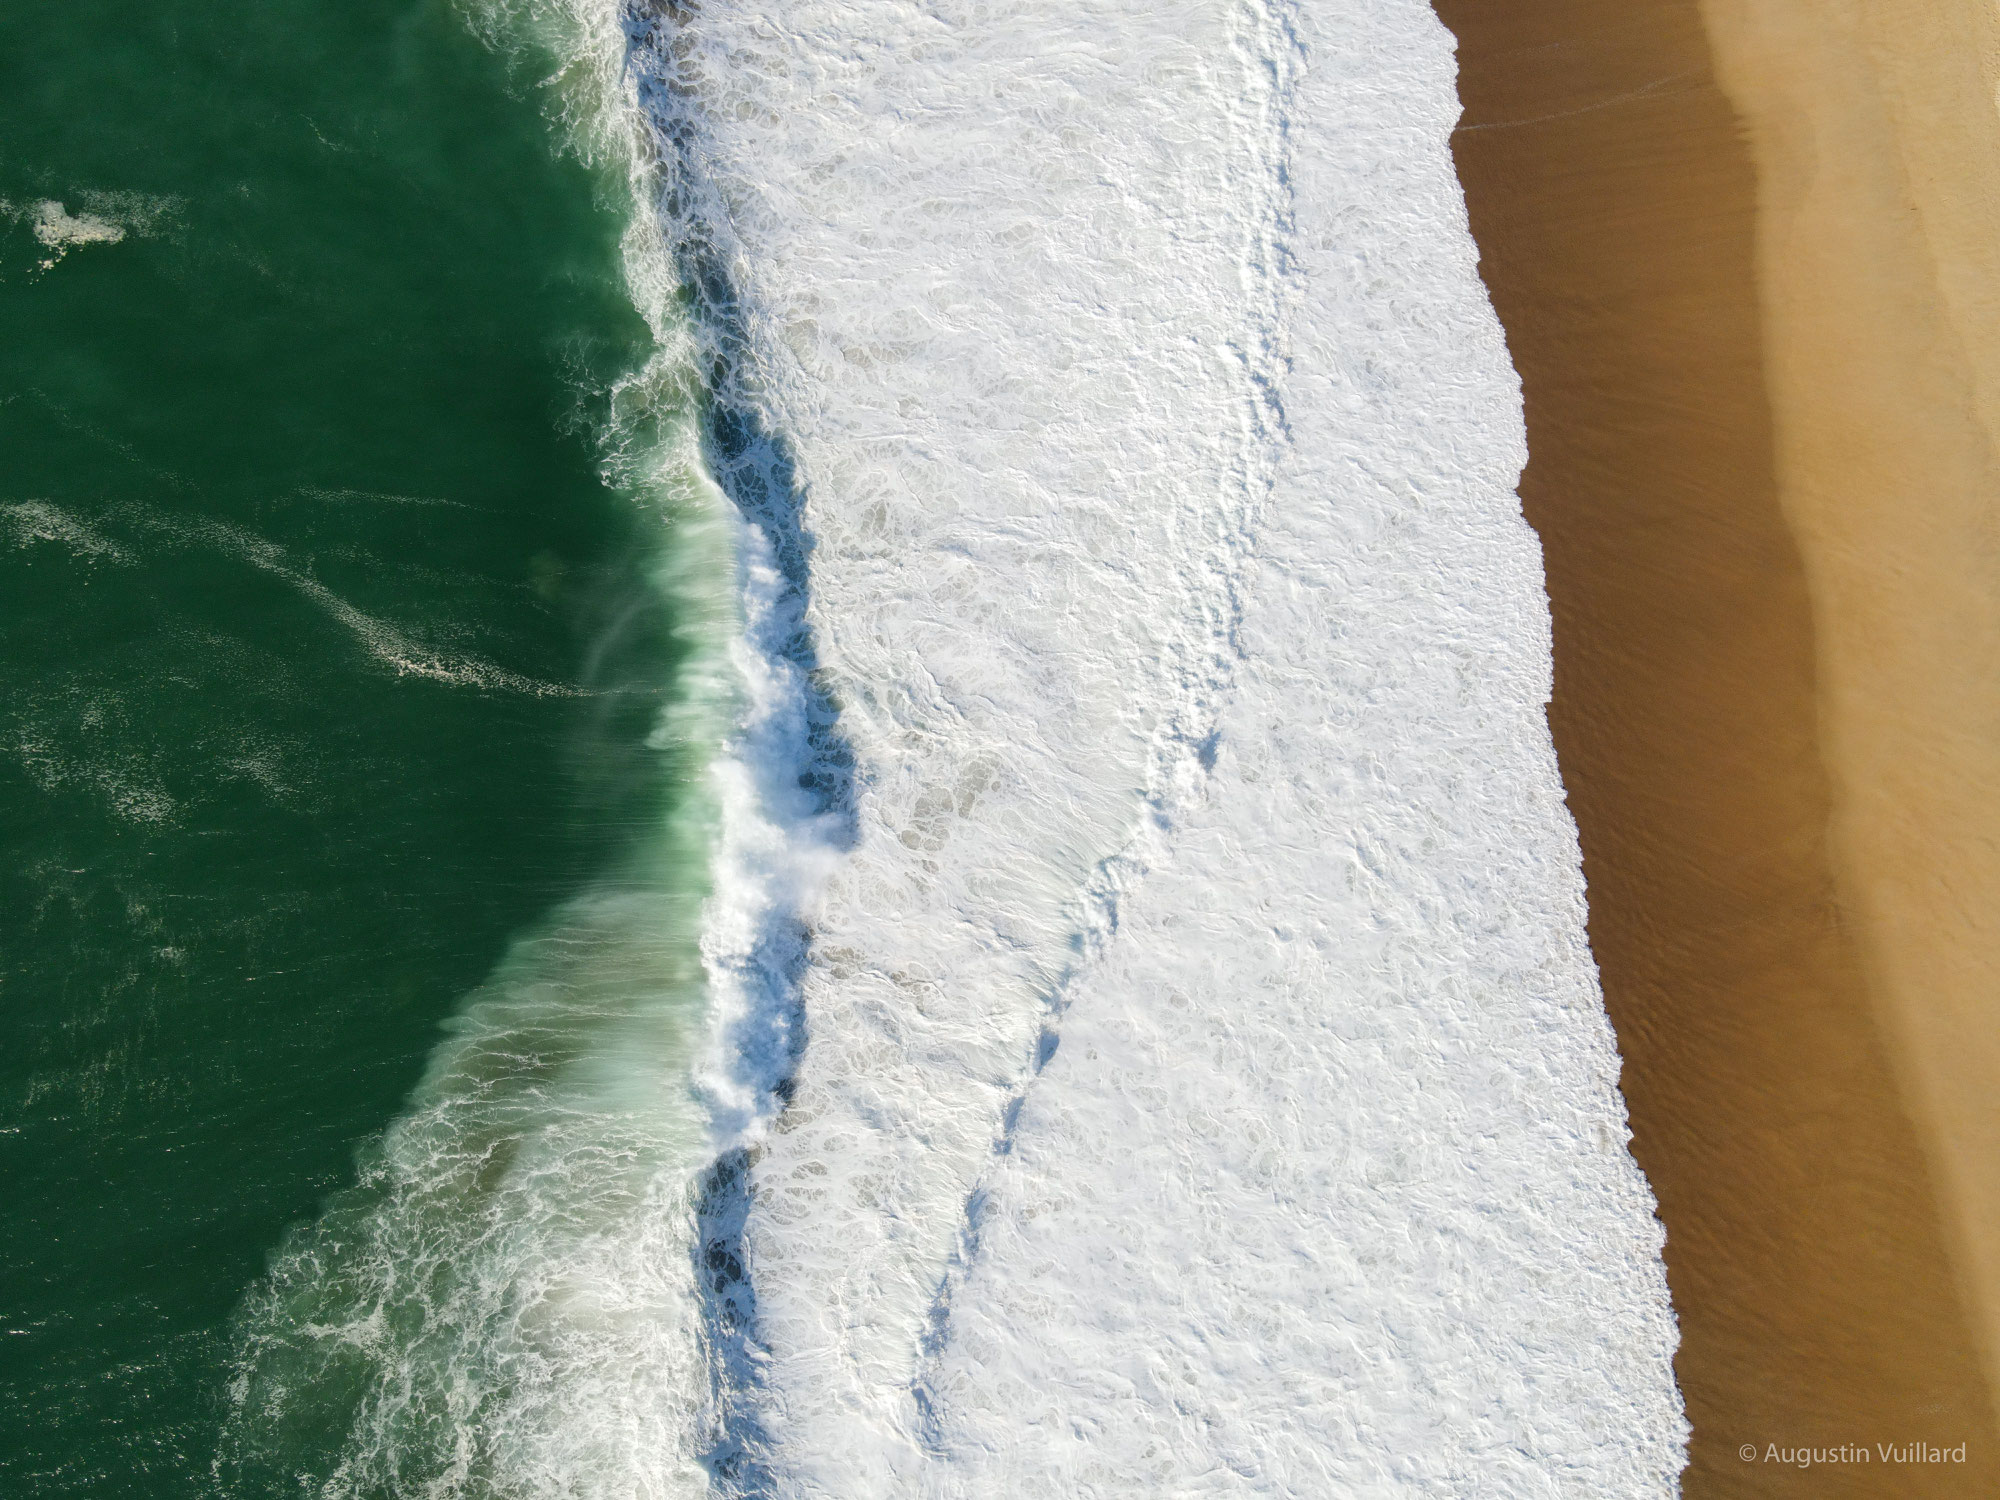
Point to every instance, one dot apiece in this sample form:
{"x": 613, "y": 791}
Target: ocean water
{"x": 330, "y": 663}
{"x": 908, "y": 622}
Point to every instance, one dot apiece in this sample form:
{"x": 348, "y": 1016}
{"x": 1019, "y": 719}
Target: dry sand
{"x": 1750, "y": 274}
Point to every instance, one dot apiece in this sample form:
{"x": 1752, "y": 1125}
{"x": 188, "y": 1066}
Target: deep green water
{"x": 326, "y": 404}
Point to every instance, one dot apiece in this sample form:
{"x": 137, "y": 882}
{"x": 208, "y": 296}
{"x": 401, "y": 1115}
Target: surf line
{"x": 518, "y": 1247}
{"x": 784, "y": 775}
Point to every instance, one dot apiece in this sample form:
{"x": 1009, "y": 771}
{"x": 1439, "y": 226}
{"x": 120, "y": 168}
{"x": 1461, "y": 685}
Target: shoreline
{"x": 1711, "y": 718}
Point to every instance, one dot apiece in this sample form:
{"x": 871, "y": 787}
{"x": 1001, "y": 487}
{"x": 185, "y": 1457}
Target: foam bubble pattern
{"x": 1201, "y": 1084}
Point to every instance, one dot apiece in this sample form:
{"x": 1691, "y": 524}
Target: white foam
{"x": 516, "y": 1250}
{"x": 393, "y": 646}
{"x": 61, "y": 230}
{"x": 107, "y": 218}
{"x": 33, "y": 521}
{"x": 506, "y": 1303}
{"x": 1157, "y": 443}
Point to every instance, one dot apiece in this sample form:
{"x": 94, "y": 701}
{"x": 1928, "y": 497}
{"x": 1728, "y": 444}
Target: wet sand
{"x": 1769, "y": 545}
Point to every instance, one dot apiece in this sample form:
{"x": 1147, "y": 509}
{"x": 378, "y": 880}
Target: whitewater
{"x": 1137, "y": 1036}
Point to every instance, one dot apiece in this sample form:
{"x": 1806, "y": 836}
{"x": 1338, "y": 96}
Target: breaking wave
{"x": 1132, "y": 1031}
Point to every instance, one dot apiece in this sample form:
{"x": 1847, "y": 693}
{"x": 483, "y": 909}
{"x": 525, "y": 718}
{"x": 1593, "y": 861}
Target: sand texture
{"x": 1877, "y": 142}
{"x": 1760, "y": 473}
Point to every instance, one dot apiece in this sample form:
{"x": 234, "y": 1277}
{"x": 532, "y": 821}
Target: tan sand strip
{"x": 1614, "y": 198}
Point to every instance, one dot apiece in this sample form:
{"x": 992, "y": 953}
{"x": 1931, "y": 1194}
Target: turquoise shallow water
{"x": 300, "y": 523}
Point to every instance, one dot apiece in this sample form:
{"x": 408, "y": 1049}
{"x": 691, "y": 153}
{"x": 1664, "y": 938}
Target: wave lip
{"x": 514, "y": 1298}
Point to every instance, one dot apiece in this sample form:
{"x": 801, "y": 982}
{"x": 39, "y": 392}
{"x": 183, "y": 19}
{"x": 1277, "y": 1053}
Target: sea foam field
{"x": 1131, "y": 1032}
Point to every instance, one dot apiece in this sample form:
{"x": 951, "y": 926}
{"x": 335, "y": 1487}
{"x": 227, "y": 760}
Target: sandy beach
{"x": 1748, "y": 261}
